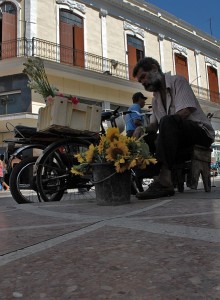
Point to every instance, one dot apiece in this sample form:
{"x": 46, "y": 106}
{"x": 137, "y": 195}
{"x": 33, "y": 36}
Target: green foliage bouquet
{"x": 38, "y": 81}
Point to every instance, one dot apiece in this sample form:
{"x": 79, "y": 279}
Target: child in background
{"x": 2, "y": 167}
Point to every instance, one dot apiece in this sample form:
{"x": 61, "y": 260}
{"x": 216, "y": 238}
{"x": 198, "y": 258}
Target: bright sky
{"x": 196, "y": 12}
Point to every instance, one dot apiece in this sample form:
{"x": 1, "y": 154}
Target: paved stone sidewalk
{"x": 164, "y": 249}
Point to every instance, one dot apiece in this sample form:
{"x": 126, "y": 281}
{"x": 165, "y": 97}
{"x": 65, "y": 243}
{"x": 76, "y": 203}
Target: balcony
{"x": 65, "y": 55}
{"x": 205, "y": 94}
{"x": 78, "y": 59}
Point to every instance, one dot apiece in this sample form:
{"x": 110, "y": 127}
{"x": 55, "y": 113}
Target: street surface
{"x": 164, "y": 249}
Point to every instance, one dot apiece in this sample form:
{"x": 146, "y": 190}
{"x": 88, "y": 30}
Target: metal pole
{"x": 213, "y": 182}
{"x": 210, "y": 25}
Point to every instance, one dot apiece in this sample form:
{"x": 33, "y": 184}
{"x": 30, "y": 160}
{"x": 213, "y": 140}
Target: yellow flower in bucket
{"x": 119, "y": 150}
{"x": 90, "y": 153}
{"x": 112, "y": 133}
{"x": 116, "y": 150}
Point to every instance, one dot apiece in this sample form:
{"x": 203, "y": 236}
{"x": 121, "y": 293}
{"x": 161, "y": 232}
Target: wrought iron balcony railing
{"x": 69, "y": 56}
{"x": 205, "y": 94}
{"x": 65, "y": 55}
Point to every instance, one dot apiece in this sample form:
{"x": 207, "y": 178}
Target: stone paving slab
{"x": 20, "y": 217}
{"x": 21, "y": 237}
{"x": 117, "y": 263}
{"x": 206, "y": 220}
{"x": 92, "y": 209}
{"x": 183, "y": 205}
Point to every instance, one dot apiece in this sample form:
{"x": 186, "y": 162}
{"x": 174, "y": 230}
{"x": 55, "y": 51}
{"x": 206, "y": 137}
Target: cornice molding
{"x": 211, "y": 61}
{"x": 73, "y": 5}
{"x": 103, "y": 13}
{"x": 161, "y": 37}
{"x": 197, "y": 52}
{"x": 180, "y": 48}
{"x": 134, "y": 29}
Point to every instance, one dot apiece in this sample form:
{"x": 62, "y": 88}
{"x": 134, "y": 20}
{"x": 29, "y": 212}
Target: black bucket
{"x": 111, "y": 188}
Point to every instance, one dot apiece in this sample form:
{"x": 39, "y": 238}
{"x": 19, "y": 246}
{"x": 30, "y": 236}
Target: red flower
{"x": 50, "y": 99}
{"x": 60, "y": 94}
{"x": 74, "y": 100}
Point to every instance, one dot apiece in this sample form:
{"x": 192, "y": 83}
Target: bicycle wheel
{"x": 53, "y": 175}
{"x": 22, "y": 181}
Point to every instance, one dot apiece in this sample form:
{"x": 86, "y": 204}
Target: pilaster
{"x": 103, "y": 14}
{"x": 198, "y": 74}
{"x": 161, "y": 47}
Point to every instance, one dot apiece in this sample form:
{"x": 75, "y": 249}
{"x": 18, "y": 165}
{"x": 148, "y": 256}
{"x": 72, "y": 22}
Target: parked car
{"x": 214, "y": 170}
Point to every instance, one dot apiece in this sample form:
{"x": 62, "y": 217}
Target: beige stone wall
{"x": 46, "y": 20}
{"x": 115, "y": 39}
{"x": 93, "y": 28}
{"x": 152, "y": 46}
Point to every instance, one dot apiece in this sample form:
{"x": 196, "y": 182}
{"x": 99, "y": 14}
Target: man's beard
{"x": 154, "y": 82}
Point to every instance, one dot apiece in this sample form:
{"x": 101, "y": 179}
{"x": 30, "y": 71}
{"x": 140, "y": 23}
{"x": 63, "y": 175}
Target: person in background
{"x": 15, "y": 160}
{"x": 178, "y": 116}
{"x": 2, "y": 171}
{"x": 133, "y": 120}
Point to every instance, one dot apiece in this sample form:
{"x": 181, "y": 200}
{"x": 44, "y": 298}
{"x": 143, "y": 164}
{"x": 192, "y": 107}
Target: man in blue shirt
{"x": 134, "y": 120}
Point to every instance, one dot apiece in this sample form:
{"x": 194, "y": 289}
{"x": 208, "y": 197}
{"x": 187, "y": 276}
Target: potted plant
{"x": 111, "y": 161}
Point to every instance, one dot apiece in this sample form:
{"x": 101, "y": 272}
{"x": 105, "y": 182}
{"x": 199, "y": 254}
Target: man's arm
{"x": 185, "y": 112}
{"x": 185, "y": 102}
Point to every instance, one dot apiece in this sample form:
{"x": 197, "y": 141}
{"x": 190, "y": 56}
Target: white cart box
{"x": 64, "y": 116}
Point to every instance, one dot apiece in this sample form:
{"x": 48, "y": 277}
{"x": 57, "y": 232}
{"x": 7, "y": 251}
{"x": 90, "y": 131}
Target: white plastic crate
{"x": 64, "y": 116}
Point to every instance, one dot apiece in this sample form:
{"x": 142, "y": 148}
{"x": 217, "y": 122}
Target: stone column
{"x": 160, "y": 39}
{"x": 105, "y": 105}
{"x": 198, "y": 74}
{"x": 103, "y": 13}
{"x": 30, "y": 19}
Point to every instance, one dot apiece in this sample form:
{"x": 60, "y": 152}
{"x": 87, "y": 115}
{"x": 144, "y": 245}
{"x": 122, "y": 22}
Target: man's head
{"x": 139, "y": 98}
{"x": 149, "y": 74}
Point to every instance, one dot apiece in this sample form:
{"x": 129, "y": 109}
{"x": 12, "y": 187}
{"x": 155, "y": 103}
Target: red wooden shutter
{"x": 9, "y": 35}
{"x": 132, "y": 60}
{"x": 181, "y": 66}
{"x": 213, "y": 84}
{"x": 66, "y": 43}
{"x": 79, "y": 46}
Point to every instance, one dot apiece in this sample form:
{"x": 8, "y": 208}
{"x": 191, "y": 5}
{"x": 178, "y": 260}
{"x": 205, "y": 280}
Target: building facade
{"x": 89, "y": 49}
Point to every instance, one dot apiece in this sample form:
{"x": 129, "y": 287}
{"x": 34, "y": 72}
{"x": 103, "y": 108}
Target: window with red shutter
{"x": 8, "y": 28}
{"x": 213, "y": 84}
{"x": 71, "y": 39}
{"x": 181, "y": 65}
{"x": 135, "y": 52}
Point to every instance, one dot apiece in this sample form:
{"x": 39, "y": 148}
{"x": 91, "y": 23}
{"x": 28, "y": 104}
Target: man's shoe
{"x": 156, "y": 190}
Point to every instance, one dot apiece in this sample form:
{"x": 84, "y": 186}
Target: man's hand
{"x": 152, "y": 127}
{"x": 139, "y": 131}
{"x": 137, "y": 122}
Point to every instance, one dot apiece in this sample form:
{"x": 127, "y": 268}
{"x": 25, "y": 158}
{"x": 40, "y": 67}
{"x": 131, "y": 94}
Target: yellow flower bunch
{"x": 121, "y": 151}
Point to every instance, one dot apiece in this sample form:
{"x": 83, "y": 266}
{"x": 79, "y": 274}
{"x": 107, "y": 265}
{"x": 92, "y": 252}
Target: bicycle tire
{"x": 15, "y": 181}
{"x": 53, "y": 169}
